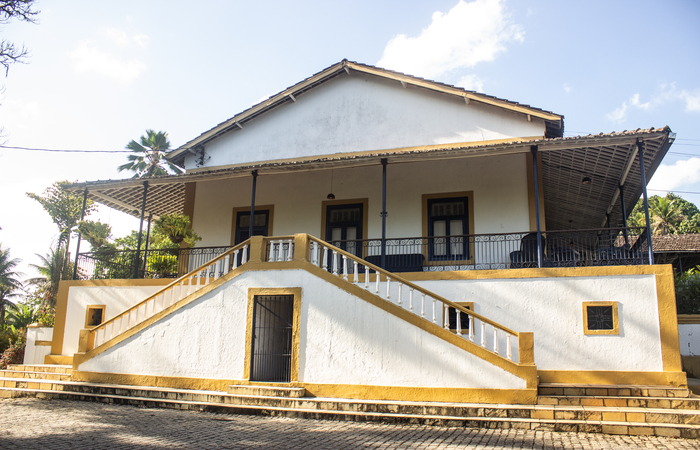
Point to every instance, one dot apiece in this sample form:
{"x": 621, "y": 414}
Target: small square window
{"x": 463, "y": 317}
{"x": 94, "y": 315}
{"x": 600, "y": 318}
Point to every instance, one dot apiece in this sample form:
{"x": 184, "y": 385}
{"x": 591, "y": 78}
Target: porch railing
{"x": 170, "y": 263}
{"x": 571, "y": 248}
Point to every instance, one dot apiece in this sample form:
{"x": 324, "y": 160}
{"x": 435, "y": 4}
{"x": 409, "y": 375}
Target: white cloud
{"x": 682, "y": 173}
{"x": 634, "y": 101}
{"x": 691, "y": 99}
{"x": 471, "y": 82}
{"x": 119, "y": 37}
{"x": 567, "y": 88}
{"x": 468, "y": 34}
{"x": 141, "y": 39}
{"x": 88, "y": 58}
{"x": 619, "y": 115}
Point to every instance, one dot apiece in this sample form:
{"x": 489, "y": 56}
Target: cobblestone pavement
{"x": 59, "y": 424}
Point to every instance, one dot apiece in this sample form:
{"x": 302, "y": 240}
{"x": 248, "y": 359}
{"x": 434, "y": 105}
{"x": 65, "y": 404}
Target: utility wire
{"x": 63, "y": 151}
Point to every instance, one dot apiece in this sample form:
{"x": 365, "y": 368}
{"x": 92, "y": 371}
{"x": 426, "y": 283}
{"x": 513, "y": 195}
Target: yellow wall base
{"x": 675, "y": 379}
{"x": 344, "y": 391}
{"x": 58, "y": 359}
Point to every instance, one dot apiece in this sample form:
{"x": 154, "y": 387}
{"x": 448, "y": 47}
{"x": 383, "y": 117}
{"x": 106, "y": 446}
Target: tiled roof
{"x": 676, "y": 243}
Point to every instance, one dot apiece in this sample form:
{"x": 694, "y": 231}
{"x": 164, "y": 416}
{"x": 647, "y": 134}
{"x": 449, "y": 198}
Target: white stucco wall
{"x": 343, "y": 340}
{"x": 34, "y": 354}
{"x": 115, "y": 298}
{"x": 499, "y": 186}
{"x": 689, "y": 335}
{"x": 359, "y": 113}
{"x": 552, "y": 309}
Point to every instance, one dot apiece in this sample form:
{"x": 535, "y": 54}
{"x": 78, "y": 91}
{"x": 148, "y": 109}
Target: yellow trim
{"x": 688, "y": 319}
{"x": 616, "y": 324}
{"x": 296, "y": 324}
{"x": 236, "y": 210}
{"x": 665, "y": 378}
{"x": 470, "y": 218}
{"x": 668, "y": 318}
{"x": 42, "y": 343}
{"x": 531, "y": 192}
{"x": 365, "y": 214}
{"x": 62, "y": 302}
{"x": 88, "y": 308}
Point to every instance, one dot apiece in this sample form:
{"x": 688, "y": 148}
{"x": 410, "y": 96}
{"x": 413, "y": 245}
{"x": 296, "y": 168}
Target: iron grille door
{"x": 271, "y": 355}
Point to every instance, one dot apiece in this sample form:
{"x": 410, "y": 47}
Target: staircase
{"x": 623, "y": 410}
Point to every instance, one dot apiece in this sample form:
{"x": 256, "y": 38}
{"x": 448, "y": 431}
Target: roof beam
{"x": 623, "y": 178}
{"x": 114, "y": 201}
{"x": 292, "y": 97}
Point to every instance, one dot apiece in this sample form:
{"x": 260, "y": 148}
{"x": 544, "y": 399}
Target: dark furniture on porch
{"x": 399, "y": 263}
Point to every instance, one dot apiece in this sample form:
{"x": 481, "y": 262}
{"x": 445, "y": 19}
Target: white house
{"x": 381, "y": 205}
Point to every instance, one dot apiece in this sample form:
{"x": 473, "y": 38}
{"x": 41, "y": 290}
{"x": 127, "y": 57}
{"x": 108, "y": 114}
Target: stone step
{"x": 54, "y": 368}
{"x": 692, "y": 403}
{"x": 496, "y": 421}
{"x": 266, "y": 391}
{"x": 593, "y": 390}
{"x": 35, "y": 375}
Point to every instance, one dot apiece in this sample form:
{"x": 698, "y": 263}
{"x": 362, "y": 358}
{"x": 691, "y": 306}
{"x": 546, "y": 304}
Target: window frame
{"x": 428, "y": 199}
{"x": 615, "y": 318}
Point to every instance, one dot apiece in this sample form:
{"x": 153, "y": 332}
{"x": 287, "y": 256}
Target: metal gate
{"x": 271, "y": 355}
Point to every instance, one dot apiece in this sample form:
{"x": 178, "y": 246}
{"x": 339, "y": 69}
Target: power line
{"x": 63, "y": 150}
{"x": 674, "y": 191}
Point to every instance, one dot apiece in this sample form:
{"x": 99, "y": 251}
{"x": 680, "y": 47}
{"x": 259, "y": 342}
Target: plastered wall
{"x": 359, "y": 113}
{"x": 689, "y": 335}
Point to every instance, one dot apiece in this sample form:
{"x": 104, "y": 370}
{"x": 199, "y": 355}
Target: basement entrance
{"x": 271, "y": 355}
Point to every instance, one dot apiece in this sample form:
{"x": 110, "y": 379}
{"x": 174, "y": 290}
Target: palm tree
{"x": 148, "y": 157}
{"x": 52, "y": 270}
{"x": 21, "y": 315}
{"x": 9, "y": 281}
{"x": 666, "y": 216}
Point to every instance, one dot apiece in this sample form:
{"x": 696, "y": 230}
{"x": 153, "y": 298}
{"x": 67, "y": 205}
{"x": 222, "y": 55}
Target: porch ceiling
{"x": 608, "y": 159}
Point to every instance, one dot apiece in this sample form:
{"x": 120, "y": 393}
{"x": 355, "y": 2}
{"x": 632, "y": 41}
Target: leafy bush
{"x": 14, "y": 354}
{"x": 688, "y": 293}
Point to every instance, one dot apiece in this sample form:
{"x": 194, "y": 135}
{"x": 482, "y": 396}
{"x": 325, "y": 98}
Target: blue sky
{"x": 101, "y": 73}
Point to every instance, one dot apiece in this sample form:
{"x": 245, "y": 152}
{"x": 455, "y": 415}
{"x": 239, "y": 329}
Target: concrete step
{"x": 692, "y": 403}
{"x": 53, "y": 368}
{"x": 613, "y": 420}
{"x": 35, "y": 375}
{"x": 266, "y": 391}
{"x": 593, "y": 390}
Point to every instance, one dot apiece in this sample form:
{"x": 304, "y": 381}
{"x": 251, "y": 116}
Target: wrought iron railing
{"x": 571, "y": 248}
{"x": 171, "y": 263}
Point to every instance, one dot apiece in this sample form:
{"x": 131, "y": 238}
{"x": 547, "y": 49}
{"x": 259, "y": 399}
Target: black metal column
{"x": 540, "y": 250}
{"x": 624, "y": 213}
{"x": 252, "y": 203}
{"x": 148, "y": 237}
{"x": 640, "y": 148}
{"x": 77, "y": 248}
{"x": 138, "y": 244}
{"x": 384, "y": 163}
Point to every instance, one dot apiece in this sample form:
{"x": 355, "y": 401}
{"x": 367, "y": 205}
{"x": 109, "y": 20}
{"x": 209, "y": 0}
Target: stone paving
{"x": 31, "y": 423}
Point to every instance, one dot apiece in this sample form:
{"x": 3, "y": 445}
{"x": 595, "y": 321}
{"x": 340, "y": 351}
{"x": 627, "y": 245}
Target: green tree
{"x": 51, "y": 270}
{"x": 21, "y": 315}
{"x": 148, "y": 157}
{"x": 20, "y": 10}
{"x": 669, "y": 215}
{"x": 9, "y": 281}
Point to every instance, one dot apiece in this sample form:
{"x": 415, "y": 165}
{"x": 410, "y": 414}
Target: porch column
{"x": 624, "y": 212}
{"x": 148, "y": 237}
{"x": 533, "y": 149}
{"x": 138, "y": 244}
{"x": 384, "y": 163}
{"x": 640, "y": 148}
{"x": 77, "y": 248}
{"x": 252, "y": 203}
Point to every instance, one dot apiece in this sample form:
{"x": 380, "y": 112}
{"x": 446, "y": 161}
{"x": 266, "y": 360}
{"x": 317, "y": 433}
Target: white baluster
{"x": 388, "y": 288}
{"x": 483, "y": 334}
{"x": 216, "y": 269}
{"x": 495, "y": 340}
{"x": 458, "y": 313}
{"x": 345, "y": 268}
{"x": 399, "y": 299}
{"x": 136, "y": 319}
{"x": 244, "y": 258}
{"x": 471, "y": 328}
{"x": 235, "y": 258}
{"x": 318, "y": 254}
{"x": 422, "y": 304}
{"x": 446, "y": 315}
{"x": 355, "y": 274}
{"x": 206, "y": 276}
{"x": 410, "y": 299}
{"x": 325, "y": 258}
{"x": 334, "y": 261}
{"x": 271, "y": 256}
{"x": 510, "y": 350}
{"x": 366, "y": 277}
{"x": 434, "y": 316}
{"x": 312, "y": 251}
{"x": 191, "y": 283}
{"x": 378, "y": 277}
{"x": 290, "y": 251}
{"x": 227, "y": 263}
{"x": 111, "y": 330}
{"x": 280, "y": 250}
